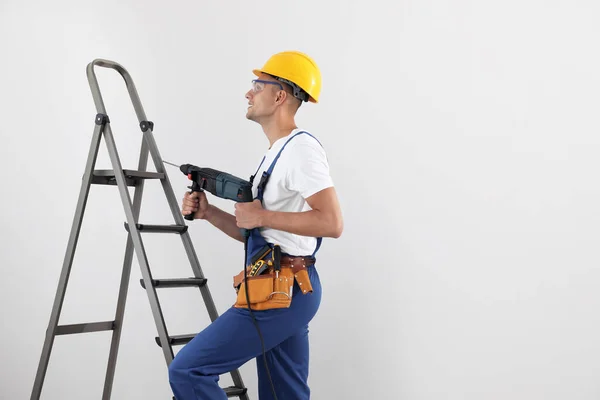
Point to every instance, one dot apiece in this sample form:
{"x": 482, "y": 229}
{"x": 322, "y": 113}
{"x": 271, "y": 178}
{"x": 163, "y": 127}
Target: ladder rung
{"x": 132, "y": 178}
{"x": 170, "y": 283}
{"x": 84, "y": 328}
{"x": 177, "y": 339}
{"x": 159, "y": 228}
{"x": 233, "y": 391}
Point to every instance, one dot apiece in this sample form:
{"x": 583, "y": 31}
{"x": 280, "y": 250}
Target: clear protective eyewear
{"x": 259, "y": 85}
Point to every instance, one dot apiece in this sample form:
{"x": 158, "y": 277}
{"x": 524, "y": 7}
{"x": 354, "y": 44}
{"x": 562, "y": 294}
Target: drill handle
{"x": 190, "y": 217}
{"x": 194, "y": 188}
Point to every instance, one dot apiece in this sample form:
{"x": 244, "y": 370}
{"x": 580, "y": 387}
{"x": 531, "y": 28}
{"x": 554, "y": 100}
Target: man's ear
{"x": 281, "y": 96}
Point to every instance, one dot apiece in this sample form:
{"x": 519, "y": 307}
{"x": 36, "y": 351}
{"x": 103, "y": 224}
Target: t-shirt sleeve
{"x": 309, "y": 169}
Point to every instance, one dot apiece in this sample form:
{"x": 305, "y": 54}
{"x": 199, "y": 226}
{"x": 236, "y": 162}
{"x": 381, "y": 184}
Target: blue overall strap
{"x": 266, "y": 174}
{"x": 259, "y": 165}
{"x": 319, "y": 240}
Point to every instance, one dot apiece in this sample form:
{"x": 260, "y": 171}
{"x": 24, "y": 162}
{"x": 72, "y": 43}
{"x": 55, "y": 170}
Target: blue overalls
{"x": 232, "y": 340}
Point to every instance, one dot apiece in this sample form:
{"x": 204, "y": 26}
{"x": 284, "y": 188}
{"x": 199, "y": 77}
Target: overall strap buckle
{"x": 263, "y": 181}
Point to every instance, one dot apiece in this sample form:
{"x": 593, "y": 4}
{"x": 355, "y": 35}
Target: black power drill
{"x": 218, "y": 183}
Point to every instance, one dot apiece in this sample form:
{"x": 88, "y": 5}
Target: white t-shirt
{"x": 301, "y": 171}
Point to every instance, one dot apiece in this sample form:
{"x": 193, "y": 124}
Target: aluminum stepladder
{"x": 122, "y": 179}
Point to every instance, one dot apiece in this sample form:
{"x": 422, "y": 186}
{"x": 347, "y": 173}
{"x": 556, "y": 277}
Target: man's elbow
{"x": 338, "y": 232}
{"x": 337, "y": 227}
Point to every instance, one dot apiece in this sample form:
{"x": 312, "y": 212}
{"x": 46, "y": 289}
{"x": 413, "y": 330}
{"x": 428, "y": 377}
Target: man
{"x": 295, "y": 206}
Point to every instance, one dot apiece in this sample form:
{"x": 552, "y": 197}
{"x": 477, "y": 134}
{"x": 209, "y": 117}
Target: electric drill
{"x": 218, "y": 183}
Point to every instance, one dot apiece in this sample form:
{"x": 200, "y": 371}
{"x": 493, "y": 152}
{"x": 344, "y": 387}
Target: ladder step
{"x": 170, "y": 283}
{"x": 159, "y": 228}
{"x": 84, "y": 328}
{"x": 132, "y": 178}
{"x": 233, "y": 391}
{"x": 177, "y": 339}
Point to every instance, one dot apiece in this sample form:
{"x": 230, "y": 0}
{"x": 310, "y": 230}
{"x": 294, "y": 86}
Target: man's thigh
{"x": 288, "y": 364}
{"x": 232, "y": 339}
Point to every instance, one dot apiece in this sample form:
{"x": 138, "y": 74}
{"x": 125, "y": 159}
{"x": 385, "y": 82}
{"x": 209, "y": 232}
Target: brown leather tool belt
{"x": 297, "y": 264}
{"x": 273, "y": 289}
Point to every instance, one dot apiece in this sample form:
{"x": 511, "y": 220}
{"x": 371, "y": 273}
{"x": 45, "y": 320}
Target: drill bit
{"x": 175, "y": 165}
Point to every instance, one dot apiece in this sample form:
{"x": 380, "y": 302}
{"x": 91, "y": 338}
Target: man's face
{"x": 261, "y": 98}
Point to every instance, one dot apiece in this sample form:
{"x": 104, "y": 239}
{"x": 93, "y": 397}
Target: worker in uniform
{"x": 295, "y": 206}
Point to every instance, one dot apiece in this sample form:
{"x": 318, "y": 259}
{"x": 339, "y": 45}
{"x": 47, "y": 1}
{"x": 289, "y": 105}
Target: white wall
{"x": 463, "y": 140}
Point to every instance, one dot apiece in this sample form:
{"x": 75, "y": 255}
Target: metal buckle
{"x": 283, "y": 293}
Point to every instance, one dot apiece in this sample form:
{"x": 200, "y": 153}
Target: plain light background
{"x": 463, "y": 140}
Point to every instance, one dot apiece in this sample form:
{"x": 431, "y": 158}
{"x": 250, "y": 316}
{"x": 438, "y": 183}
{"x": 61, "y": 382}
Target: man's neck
{"x": 275, "y": 131}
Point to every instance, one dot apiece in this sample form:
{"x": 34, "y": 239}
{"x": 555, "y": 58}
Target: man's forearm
{"x": 224, "y": 222}
{"x": 312, "y": 223}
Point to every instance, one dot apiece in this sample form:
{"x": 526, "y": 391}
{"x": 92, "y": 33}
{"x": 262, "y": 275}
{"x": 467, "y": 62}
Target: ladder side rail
{"x": 125, "y": 280}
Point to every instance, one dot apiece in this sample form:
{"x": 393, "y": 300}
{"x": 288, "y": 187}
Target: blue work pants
{"x": 232, "y": 340}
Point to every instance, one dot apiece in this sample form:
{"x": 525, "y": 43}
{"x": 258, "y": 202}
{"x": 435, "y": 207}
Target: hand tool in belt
{"x": 277, "y": 259}
{"x": 259, "y": 265}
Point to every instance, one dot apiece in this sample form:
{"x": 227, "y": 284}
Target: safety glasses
{"x": 259, "y": 84}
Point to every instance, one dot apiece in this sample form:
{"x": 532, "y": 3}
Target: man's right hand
{"x": 195, "y": 203}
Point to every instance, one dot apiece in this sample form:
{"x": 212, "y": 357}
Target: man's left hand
{"x": 249, "y": 215}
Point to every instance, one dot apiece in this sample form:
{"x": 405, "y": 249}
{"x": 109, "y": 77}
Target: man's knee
{"x": 178, "y": 372}
{"x": 181, "y": 369}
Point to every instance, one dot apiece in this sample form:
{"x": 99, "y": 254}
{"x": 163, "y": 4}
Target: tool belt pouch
{"x": 303, "y": 281}
{"x": 267, "y": 291}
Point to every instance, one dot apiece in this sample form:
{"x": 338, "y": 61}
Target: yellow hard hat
{"x": 297, "y": 69}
